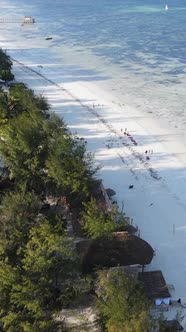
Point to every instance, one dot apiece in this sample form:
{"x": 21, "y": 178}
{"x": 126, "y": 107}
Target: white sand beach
{"x": 157, "y": 202}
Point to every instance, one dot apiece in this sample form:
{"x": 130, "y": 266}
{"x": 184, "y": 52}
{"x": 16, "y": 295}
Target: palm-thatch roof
{"x": 122, "y": 249}
{"x": 129, "y": 228}
{"x": 154, "y": 284}
{"x": 172, "y": 326}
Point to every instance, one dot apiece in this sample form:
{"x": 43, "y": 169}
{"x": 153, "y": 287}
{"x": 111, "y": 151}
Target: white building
{"x": 29, "y": 19}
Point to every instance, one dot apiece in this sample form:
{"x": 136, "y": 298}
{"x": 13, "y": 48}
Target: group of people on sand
{"x": 148, "y": 152}
{"x": 125, "y": 132}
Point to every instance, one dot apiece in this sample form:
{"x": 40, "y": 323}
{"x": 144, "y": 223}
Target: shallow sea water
{"x": 134, "y": 48}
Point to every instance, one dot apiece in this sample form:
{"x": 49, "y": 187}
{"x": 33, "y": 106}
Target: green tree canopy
{"x": 5, "y": 66}
{"x": 39, "y": 282}
{"x": 26, "y": 100}
{"x": 7, "y": 107}
{"x": 71, "y": 168}
{"x": 95, "y": 222}
{"x": 41, "y": 157}
{"x": 98, "y": 223}
{"x": 122, "y": 303}
{"x": 24, "y": 148}
{"x": 18, "y": 213}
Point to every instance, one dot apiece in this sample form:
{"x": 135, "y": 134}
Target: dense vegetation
{"x": 38, "y": 265}
{"x": 97, "y": 223}
{"x": 5, "y": 67}
{"x": 40, "y": 158}
{"x": 122, "y": 303}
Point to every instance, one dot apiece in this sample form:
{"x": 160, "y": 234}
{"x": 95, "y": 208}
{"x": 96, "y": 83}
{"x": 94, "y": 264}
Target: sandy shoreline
{"x": 157, "y": 202}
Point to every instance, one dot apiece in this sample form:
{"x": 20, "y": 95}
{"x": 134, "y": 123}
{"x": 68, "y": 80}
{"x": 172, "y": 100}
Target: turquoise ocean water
{"x": 134, "y": 43}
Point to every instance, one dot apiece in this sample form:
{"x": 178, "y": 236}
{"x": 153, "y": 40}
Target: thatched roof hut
{"x": 122, "y": 249}
{"x": 129, "y": 228}
{"x": 154, "y": 284}
{"x": 172, "y": 326}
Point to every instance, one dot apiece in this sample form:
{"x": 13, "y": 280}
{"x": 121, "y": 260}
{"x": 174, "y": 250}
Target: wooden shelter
{"x": 154, "y": 285}
{"x": 172, "y": 326}
{"x": 122, "y": 249}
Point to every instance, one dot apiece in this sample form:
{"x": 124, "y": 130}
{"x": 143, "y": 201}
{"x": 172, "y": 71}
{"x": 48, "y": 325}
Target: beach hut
{"x": 172, "y": 326}
{"x": 155, "y": 287}
{"x": 122, "y": 249}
